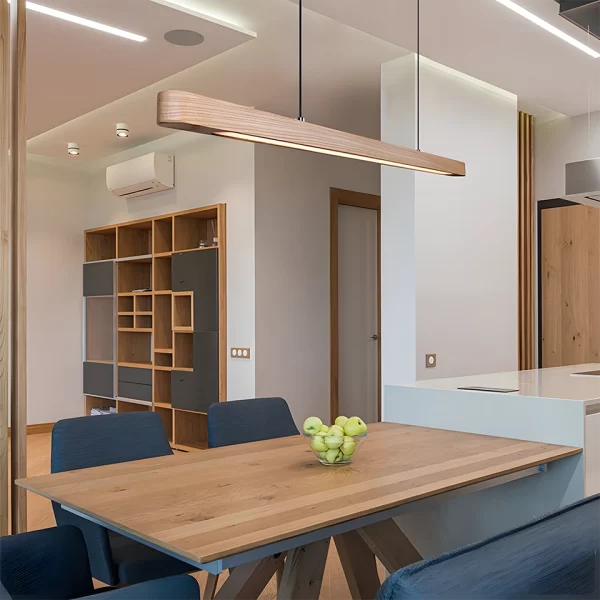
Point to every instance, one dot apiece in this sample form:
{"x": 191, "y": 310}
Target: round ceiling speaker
{"x": 184, "y": 37}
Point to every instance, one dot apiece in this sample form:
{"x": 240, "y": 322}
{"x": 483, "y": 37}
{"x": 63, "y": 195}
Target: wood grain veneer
{"x": 217, "y": 503}
{"x": 191, "y": 112}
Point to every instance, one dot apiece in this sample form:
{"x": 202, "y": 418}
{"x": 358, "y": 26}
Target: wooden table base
{"x": 300, "y": 573}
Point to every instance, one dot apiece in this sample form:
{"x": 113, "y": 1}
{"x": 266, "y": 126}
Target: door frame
{"x": 339, "y": 197}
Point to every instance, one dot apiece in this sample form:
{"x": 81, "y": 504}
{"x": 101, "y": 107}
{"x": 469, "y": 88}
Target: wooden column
{"x": 18, "y": 249}
{"x": 526, "y": 244}
{"x": 4, "y": 261}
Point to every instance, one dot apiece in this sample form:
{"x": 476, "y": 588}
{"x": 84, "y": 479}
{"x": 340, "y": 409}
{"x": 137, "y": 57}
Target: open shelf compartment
{"x": 162, "y": 274}
{"x": 183, "y": 314}
{"x": 183, "y": 353}
{"x": 134, "y": 275}
{"x": 163, "y": 335}
{"x": 190, "y": 430}
{"x": 163, "y": 235}
{"x": 135, "y": 347}
{"x": 166, "y": 414}
{"x": 162, "y": 387}
{"x": 101, "y": 244}
{"x": 191, "y": 229}
{"x": 135, "y": 239}
{"x": 128, "y": 407}
{"x": 98, "y": 402}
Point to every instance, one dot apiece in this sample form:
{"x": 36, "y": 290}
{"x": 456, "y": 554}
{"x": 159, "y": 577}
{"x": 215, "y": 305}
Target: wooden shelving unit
{"x": 162, "y": 328}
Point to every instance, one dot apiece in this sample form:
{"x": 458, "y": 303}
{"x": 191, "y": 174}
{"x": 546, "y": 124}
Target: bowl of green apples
{"x": 336, "y": 444}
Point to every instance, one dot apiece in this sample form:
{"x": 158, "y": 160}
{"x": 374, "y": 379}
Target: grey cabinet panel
{"x": 98, "y": 279}
{"x": 199, "y": 389}
{"x": 133, "y": 375}
{"x": 198, "y": 271}
{"x": 135, "y": 391}
{"x": 98, "y": 379}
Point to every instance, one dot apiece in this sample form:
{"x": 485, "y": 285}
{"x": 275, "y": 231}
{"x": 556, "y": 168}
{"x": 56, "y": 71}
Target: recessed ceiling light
{"x": 73, "y": 149}
{"x": 184, "y": 37}
{"x": 59, "y": 14}
{"x": 122, "y": 130}
{"x": 545, "y": 25}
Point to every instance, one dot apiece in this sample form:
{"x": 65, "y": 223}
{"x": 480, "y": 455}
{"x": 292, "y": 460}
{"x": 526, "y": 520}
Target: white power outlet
{"x": 240, "y": 353}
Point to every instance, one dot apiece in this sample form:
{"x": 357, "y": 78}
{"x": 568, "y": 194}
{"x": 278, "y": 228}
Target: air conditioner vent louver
{"x": 141, "y": 176}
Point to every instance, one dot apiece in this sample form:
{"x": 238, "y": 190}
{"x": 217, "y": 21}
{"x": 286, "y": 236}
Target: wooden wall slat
{"x": 4, "y": 264}
{"x": 18, "y": 246}
{"x": 526, "y": 211}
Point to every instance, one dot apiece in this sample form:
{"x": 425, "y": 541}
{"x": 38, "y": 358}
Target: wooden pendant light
{"x": 190, "y": 112}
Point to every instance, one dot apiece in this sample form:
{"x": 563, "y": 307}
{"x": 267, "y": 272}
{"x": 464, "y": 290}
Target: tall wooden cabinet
{"x": 155, "y": 319}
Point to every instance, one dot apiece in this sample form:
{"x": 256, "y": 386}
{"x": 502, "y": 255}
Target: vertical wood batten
{"x": 18, "y": 249}
{"x": 4, "y": 260}
{"x": 526, "y": 243}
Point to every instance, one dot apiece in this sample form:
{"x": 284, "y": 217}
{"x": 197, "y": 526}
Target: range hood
{"x": 583, "y": 13}
{"x": 582, "y": 182}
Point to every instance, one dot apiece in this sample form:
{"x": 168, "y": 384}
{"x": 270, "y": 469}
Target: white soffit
{"x": 72, "y": 70}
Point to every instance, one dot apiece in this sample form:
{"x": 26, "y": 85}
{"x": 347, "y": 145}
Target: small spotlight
{"x": 73, "y": 149}
{"x": 122, "y": 130}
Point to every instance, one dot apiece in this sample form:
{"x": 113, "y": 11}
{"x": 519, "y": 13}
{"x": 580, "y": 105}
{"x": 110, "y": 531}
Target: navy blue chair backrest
{"x": 103, "y": 440}
{"x": 242, "y": 421}
{"x": 48, "y": 563}
{"x": 555, "y": 556}
{"x": 108, "y": 439}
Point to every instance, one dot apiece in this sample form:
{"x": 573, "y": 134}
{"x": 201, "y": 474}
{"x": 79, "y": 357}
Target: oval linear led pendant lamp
{"x": 191, "y": 112}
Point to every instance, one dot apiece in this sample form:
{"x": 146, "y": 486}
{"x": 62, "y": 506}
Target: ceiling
{"x": 346, "y": 41}
{"x": 72, "y": 70}
{"x": 341, "y": 87}
{"x": 488, "y": 41}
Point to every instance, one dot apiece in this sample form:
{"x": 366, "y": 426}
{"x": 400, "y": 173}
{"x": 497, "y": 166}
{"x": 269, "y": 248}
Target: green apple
{"x": 341, "y": 421}
{"x": 323, "y": 455}
{"x": 312, "y": 425}
{"x": 318, "y": 444}
{"x": 340, "y": 457}
{"x": 349, "y": 446}
{"x": 334, "y": 441}
{"x": 324, "y": 428}
{"x": 336, "y": 430}
{"x": 355, "y": 426}
{"x": 320, "y": 434}
{"x": 332, "y": 454}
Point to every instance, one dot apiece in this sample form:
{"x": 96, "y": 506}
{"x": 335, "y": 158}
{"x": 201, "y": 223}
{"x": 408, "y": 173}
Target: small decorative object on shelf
{"x": 215, "y": 241}
{"x": 202, "y": 244}
{"x": 337, "y": 444}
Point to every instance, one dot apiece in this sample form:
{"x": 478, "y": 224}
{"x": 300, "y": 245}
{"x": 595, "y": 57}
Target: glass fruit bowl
{"x": 334, "y": 449}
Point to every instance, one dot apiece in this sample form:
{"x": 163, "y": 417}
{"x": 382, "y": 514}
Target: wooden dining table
{"x": 270, "y": 506}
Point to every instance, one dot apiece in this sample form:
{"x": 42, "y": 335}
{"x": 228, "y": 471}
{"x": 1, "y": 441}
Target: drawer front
{"x": 98, "y": 379}
{"x": 136, "y": 391}
{"x": 98, "y": 279}
{"x": 133, "y": 375}
{"x": 199, "y": 272}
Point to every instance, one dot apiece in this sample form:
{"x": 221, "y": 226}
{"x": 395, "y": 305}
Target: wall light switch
{"x": 240, "y": 353}
{"x": 430, "y": 361}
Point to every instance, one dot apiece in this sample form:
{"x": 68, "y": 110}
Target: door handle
{"x": 375, "y": 337}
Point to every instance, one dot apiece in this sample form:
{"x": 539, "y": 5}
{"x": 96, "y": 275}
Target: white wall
{"x": 55, "y": 198}
{"x": 561, "y": 141}
{"x": 292, "y": 271}
{"x": 208, "y": 170}
{"x": 463, "y": 260}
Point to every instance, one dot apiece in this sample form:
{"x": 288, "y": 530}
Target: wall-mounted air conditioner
{"x": 143, "y": 175}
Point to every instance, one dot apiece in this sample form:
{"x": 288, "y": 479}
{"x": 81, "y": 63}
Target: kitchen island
{"x": 559, "y": 406}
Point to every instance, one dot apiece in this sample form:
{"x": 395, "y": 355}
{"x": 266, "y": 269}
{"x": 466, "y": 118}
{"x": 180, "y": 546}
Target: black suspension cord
{"x": 300, "y": 116}
{"x": 419, "y": 75}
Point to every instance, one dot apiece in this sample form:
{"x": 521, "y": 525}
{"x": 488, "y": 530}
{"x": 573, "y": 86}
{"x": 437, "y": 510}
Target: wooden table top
{"x": 213, "y": 504}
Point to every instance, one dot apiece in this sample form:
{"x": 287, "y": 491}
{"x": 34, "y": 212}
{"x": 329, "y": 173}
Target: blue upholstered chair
{"x": 555, "y": 556}
{"x": 242, "y": 421}
{"x": 53, "y": 564}
{"x": 93, "y": 441}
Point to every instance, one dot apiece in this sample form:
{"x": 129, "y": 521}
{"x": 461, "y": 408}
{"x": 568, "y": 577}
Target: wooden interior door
{"x": 570, "y": 285}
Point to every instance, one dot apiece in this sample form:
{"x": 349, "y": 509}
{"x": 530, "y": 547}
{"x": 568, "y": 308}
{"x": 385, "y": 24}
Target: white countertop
{"x": 557, "y": 383}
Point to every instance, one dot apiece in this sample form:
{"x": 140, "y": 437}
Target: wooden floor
{"x": 39, "y": 516}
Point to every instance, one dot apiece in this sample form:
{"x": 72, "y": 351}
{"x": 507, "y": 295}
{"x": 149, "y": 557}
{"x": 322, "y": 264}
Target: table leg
{"x": 303, "y": 573}
{"x": 211, "y": 586}
{"x": 390, "y": 545}
{"x": 358, "y": 562}
{"x": 246, "y": 582}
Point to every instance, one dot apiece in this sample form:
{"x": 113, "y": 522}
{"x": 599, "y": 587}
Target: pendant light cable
{"x": 300, "y": 116}
{"x": 419, "y": 75}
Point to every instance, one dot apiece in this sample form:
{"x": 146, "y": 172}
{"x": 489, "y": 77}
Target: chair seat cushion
{"x": 556, "y": 555}
{"x": 136, "y": 562}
